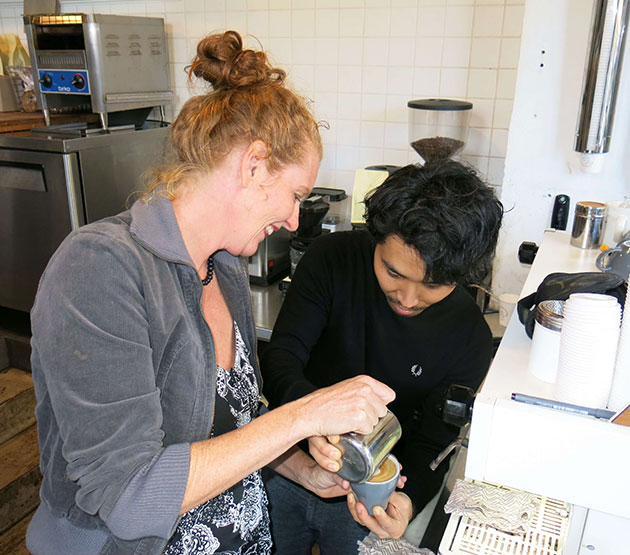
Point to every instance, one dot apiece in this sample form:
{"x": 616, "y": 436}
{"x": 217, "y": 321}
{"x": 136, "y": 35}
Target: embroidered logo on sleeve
{"x": 416, "y": 370}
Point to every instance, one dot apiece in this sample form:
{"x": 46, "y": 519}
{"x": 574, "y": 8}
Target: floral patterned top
{"x": 236, "y": 522}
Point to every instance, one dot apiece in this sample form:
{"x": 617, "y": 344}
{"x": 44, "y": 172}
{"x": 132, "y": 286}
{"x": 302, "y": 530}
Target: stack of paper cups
{"x": 588, "y": 348}
{"x": 620, "y": 391}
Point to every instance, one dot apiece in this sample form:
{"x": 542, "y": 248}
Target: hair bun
{"x": 222, "y": 62}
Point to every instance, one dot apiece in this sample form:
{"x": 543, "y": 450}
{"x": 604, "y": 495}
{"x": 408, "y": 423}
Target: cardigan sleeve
{"x": 92, "y": 353}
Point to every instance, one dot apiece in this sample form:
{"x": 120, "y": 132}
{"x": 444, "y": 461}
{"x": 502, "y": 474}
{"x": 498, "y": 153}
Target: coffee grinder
{"x": 438, "y": 127}
{"x": 338, "y": 216}
{"x": 312, "y": 212}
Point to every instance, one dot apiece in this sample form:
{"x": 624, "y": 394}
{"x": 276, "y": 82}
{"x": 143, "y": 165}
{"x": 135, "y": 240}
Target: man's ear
{"x": 254, "y": 162}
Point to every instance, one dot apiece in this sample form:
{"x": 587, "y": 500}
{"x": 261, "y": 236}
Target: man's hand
{"x": 323, "y": 450}
{"x": 324, "y": 483}
{"x": 385, "y": 524}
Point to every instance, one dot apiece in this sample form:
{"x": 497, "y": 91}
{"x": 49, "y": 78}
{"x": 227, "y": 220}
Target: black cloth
{"x": 335, "y": 323}
{"x": 559, "y": 286}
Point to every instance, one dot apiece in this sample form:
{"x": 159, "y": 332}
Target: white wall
{"x": 540, "y": 155}
{"x": 360, "y": 61}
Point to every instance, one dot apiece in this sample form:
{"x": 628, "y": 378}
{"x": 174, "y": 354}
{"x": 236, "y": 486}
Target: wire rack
{"x": 546, "y": 536}
{"x": 18, "y": 85}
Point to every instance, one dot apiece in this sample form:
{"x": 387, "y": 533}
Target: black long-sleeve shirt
{"x": 335, "y": 323}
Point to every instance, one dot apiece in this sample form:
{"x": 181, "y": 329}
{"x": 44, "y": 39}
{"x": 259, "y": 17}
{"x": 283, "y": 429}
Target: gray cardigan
{"x": 124, "y": 370}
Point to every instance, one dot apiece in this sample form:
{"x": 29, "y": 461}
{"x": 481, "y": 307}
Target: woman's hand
{"x": 391, "y": 523}
{"x": 353, "y": 405}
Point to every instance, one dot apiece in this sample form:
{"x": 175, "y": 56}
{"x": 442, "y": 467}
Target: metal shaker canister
{"x": 588, "y": 224}
{"x": 545, "y": 350}
{"x": 362, "y": 454}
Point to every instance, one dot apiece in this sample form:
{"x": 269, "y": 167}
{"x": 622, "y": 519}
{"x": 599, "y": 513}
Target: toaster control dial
{"x": 78, "y": 81}
{"x": 46, "y": 80}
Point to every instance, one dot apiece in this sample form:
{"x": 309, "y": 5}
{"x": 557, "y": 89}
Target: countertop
{"x": 266, "y": 302}
{"x": 541, "y": 450}
{"x": 53, "y": 141}
{"x": 11, "y": 122}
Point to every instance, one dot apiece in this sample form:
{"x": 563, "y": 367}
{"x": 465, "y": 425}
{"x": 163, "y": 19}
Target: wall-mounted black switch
{"x": 560, "y": 214}
{"x": 527, "y": 252}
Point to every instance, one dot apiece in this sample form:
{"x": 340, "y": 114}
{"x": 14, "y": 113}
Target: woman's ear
{"x": 254, "y": 162}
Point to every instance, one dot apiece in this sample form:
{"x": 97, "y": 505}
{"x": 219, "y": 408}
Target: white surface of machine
{"x": 577, "y": 459}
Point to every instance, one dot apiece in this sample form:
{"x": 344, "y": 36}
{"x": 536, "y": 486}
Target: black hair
{"x": 445, "y": 212}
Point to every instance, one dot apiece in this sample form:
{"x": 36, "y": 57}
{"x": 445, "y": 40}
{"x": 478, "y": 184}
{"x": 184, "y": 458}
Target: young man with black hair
{"x": 388, "y": 302}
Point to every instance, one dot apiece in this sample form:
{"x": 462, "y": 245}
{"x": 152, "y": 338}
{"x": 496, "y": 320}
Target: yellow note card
{"x": 364, "y": 182}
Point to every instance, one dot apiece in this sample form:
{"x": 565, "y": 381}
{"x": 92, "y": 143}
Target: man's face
{"x": 400, "y": 274}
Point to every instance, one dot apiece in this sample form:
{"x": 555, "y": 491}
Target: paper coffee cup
{"x": 507, "y": 302}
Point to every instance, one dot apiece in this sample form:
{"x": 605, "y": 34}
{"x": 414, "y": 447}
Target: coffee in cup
{"x": 385, "y": 472}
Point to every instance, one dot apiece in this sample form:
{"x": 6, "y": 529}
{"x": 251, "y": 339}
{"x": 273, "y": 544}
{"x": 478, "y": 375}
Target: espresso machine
{"x": 325, "y": 210}
{"x": 338, "y": 216}
{"x": 312, "y": 213}
{"x": 270, "y": 262}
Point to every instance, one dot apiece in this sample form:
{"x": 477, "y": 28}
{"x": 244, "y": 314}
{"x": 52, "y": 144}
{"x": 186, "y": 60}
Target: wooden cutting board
{"x": 23, "y": 121}
{"x": 623, "y": 418}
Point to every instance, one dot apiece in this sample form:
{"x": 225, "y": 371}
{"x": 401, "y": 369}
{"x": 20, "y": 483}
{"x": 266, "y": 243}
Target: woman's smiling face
{"x": 279, "y": 202}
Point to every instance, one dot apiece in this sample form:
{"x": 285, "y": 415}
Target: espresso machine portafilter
{"x": 456, "y": 409}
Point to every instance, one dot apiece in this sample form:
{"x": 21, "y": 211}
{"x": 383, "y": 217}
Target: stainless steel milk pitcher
{"x": 362, "y": 454}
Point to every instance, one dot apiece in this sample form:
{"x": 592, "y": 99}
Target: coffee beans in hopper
{"x": 437, "y": 148}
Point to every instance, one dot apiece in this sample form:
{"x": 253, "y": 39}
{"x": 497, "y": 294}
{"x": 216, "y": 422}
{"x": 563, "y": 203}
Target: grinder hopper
{"x": 438, "y": 127}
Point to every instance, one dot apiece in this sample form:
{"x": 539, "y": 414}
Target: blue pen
{"x": 566, "y": 407}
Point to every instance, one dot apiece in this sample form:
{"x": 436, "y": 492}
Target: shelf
{"x": 11, "y": 122}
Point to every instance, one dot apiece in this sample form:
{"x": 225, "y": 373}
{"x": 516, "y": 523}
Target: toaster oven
{"x": 103, "y": 64}
{"x": 271, "y": 261}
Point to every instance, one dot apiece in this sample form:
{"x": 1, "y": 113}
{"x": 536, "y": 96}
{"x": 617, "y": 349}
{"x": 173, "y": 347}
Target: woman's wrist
{"x": 294, "y": 412}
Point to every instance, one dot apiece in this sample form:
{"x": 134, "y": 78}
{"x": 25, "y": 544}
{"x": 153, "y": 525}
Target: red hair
{"x": 248, "y": 102}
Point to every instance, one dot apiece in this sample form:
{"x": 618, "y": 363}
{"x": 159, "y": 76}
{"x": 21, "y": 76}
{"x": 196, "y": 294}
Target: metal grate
{"x": 58, "y": 19}
{"x": 546, "y": 536}
{"x": 65, "y": 60}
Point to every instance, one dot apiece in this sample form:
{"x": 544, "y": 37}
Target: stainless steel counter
{"x": 266, "y": 301}
{"x": 55, "y": 141}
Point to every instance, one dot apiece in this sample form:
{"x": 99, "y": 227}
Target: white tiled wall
{"x": 359, "y": 61}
